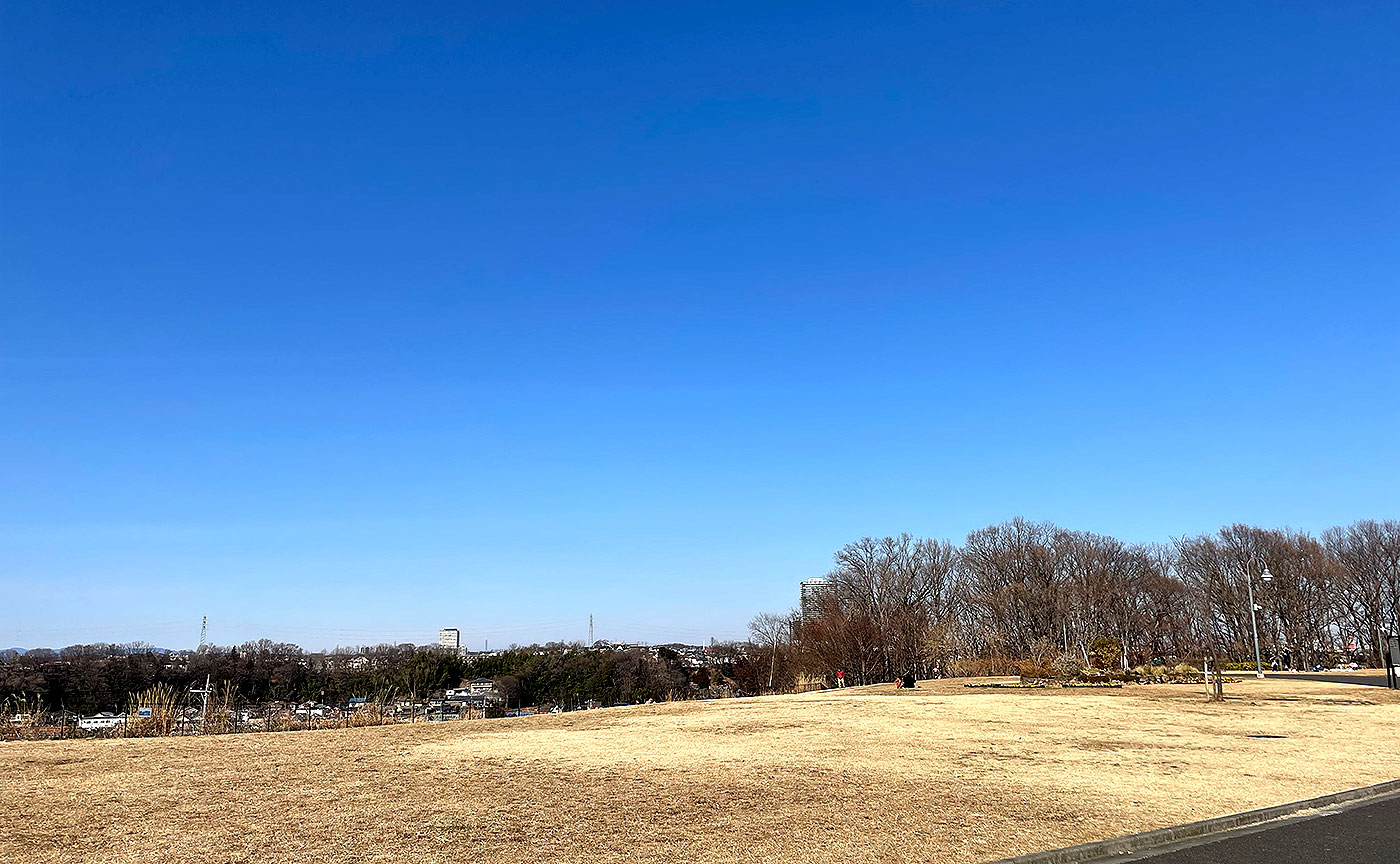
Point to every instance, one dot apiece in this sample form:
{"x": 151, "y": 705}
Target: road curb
{"x": 1162, "y": 836}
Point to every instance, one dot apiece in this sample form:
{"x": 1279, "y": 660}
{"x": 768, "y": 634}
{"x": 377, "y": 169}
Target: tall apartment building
{"x": 450, "y": 638}
{"x": 814, "y": 595}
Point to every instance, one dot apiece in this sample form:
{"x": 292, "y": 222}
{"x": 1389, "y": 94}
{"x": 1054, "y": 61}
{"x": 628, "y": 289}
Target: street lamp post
{"x": 1266, "y": 576}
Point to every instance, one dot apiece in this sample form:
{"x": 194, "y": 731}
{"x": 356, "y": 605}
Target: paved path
{"x": 1366, "y": 833}
{"x": 1332, "y": 677}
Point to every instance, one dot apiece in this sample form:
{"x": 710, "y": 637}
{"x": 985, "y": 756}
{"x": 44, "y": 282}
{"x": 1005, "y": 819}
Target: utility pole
{"x": 204, "y": 710}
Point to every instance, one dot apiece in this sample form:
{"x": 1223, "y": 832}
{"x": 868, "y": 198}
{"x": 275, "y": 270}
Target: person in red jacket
{"x": 840, "y": 677}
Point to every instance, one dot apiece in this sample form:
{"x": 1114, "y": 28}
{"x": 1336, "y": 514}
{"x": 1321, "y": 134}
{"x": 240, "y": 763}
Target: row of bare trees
{"x": 1032, "y": 590}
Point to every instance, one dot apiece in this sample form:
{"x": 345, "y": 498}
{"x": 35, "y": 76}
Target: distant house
{"x": 481, "y": 685}
{"x": 101, "y": 722}
{"x": 309, "y": 709}
{"x": 465, "y": 697}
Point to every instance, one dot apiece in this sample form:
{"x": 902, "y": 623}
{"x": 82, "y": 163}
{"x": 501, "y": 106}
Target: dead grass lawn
{"x": 943, "y": 773}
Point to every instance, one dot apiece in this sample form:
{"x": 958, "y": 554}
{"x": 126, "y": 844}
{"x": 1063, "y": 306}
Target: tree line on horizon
{"x": 1011, "y": 593}
{"x": 1023, "y": 591}
{"x": 103, "y": 677}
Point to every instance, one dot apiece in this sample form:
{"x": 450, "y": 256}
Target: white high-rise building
{"x": 814, "y": 596}
{"x": 450, "y": 638}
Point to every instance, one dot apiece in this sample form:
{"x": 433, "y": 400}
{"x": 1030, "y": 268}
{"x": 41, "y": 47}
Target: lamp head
{"x": 1266, "y": 576}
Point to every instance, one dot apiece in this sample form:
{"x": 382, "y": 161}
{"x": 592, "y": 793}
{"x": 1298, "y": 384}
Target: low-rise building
{"x": 310, "y": 709}
{"x": 471, "y": 697}
{"x": 101, "y": 722}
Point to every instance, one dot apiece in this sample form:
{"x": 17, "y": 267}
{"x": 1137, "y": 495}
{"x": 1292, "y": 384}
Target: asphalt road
{"x": 1334, "y": 678}
{"x": 1367, "y": 833}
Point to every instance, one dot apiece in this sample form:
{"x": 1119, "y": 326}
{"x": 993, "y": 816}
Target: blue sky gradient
{"x": 343, "y": 323}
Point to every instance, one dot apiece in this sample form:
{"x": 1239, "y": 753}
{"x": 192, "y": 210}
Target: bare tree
{"x": 893, "y": 590}
{"x": 772, "y": 634}
{"x": 1368, "y": 590}
{"x": 1014, "y": 584}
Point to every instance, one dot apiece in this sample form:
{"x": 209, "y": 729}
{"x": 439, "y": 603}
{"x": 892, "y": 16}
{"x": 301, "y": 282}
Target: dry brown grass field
{"x": 942, "y": 773}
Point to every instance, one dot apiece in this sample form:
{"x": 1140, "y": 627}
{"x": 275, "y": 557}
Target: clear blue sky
{"x": 345, "y": 323}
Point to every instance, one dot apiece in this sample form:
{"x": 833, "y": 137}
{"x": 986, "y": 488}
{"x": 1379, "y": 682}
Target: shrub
{"x": 1186, "y": 669}
{"x": 1100, "y": 676}
{"x": 1105, "y": 650}
{"x": 805, "y": 683}
{"x": 1067, "y": 666}
{"x": 982, "y": 667}
{"x": 1030, "y": 671}
{"x": 1043, "y": 651}
{"x": 1002, "y": 685}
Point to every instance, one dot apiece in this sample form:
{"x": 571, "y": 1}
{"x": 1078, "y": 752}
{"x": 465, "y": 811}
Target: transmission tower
{"x": 590, "y": 630}
{"x": 203, "y": 630}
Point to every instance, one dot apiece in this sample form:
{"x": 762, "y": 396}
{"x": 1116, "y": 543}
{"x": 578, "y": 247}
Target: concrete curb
{"x": 1163, "y": 836}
